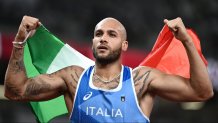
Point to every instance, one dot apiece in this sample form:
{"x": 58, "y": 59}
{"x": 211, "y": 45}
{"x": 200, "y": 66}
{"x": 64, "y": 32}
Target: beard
{"x": 110, "y": 58}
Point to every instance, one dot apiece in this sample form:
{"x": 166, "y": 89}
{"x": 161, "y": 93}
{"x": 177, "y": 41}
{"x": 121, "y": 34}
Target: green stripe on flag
{"x": 39, "y": 53}
{"x": 42, "y": 46}
{"x": 31, "y": 71}
{"x": 47, "y": 110}
{"x": 44, "y": 53}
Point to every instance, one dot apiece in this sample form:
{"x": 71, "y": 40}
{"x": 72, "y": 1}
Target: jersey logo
{"x": 123, "y": 98}
{"x": 87, "y": 96}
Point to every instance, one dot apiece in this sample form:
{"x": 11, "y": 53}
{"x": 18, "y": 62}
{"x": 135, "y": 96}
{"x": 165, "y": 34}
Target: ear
{"x": 124, "y": 45}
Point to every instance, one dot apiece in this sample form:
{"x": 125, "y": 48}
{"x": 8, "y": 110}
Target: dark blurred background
{"x": 74, "y": 22}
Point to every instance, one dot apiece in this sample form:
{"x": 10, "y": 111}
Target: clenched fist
{"x": 27, "y": 24}
{"x": 178, "y": 29}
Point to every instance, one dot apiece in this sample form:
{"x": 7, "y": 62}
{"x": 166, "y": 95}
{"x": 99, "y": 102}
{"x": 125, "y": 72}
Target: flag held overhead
{"x": 169, "y": 55}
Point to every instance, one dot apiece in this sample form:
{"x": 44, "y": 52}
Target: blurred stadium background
{"x": 74, "y": 22}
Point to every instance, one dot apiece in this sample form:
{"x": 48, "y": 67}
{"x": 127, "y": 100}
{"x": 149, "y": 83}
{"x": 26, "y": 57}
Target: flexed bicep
{"x": 38, "y": 88}
{"x": 174, "y": 87}
{"x": 44, "y": 87}
{"x": 196, "y": 88}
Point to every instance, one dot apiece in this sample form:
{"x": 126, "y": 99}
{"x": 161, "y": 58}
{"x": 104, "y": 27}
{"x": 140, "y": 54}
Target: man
{"x": 107, "y": 91}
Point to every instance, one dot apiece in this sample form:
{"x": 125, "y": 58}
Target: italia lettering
{"x": 104, "y": 112}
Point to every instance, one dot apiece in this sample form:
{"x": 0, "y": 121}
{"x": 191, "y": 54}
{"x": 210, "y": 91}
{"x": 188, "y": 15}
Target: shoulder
{"x": 75, "y": 68}
{"x": 141, "y": 70}
{"x": 72, "y": 70}
{"x": 144, "y": 77}
{"x": 153, "y": 72}
{"x": 72, "y": 74}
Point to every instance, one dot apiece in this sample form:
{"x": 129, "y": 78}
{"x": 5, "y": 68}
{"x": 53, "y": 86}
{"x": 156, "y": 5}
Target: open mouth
{"x": 102, "y": 47}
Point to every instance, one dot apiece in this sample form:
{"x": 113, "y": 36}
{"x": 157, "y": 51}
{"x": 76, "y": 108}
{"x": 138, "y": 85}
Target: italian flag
{"x": 169, "y": 55}
{"x": 45, "y": 53}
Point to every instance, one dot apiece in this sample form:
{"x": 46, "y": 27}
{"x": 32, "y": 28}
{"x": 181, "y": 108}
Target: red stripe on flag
{"x": 169, "y": 54}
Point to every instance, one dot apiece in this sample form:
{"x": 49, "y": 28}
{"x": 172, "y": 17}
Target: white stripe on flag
{"x": 67, "y": 57}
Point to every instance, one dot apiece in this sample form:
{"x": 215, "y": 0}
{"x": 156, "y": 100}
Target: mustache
{"x": 103, "y": 46}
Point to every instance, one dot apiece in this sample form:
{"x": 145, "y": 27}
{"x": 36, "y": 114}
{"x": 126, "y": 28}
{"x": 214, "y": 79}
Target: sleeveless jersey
{"x": 93, "y": 105}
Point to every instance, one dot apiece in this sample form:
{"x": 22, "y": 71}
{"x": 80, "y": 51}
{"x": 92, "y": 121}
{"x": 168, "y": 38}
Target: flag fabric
{"x": 169, "y": 54}
{"x": 45, "y": 53}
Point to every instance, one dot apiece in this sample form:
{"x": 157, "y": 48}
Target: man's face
{"x": 107, "y": 41}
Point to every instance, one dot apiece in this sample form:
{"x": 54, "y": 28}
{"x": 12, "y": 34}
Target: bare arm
{"x": 198, "y": 87}
{"x": 177, "y": 88}
{"x": 17, "y": 85}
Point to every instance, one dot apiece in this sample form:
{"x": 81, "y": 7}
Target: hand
{"x": 27, "y": 24}
{"x": 178, "y": 29}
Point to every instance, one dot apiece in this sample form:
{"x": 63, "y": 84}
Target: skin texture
{"x": 108, "y": 44}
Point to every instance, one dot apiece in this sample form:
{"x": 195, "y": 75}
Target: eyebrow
{"x": 98, "y": 30}
{"x": 110, "y": 30}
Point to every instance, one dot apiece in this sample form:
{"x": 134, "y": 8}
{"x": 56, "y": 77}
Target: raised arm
{"x": 177, "y": 88}
{"x": 198, "y": 87}
{"x": 17, "y": 85}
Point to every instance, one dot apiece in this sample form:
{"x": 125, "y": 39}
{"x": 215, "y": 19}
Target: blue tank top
{"x": 93, "y": 105}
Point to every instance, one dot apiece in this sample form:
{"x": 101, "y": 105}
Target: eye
{"x": 112, "y": 34}
{"x": 98, "y": 34}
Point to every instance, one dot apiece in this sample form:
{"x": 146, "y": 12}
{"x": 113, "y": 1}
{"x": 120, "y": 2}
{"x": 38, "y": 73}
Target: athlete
{"x": 107, "y": 91}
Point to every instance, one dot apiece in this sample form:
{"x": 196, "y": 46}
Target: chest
{"x": 98, "y": 83}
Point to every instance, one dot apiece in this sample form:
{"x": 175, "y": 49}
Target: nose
{"x": 103, "y": 39}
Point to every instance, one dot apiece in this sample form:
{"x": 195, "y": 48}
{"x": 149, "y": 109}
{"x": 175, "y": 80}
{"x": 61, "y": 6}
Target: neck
{"x": 109, "y": 71}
